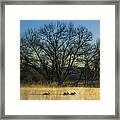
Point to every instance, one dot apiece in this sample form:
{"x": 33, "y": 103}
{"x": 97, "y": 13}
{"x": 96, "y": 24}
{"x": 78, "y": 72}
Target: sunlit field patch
{"x": 56, "y": 93}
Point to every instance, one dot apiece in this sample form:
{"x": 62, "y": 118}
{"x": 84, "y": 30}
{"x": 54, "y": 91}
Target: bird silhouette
{"x": 48, "y": 93}
{"x": 72, "y": 93}
{"x": 66, "y": 93}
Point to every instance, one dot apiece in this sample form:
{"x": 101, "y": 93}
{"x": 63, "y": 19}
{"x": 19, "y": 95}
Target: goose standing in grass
{"x": 66, "y": 93}
{"x": 48, "y": 93}
{"x": 72, "y": 93}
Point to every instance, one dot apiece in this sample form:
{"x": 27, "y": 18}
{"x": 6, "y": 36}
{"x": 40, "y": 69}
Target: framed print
{"x": 59, "y": 59}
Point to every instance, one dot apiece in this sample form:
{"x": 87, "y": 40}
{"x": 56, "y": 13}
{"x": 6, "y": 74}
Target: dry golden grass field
{"x": 56, "y": 93}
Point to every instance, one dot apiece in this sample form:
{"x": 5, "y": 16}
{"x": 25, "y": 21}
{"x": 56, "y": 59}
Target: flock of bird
{"x": 65, "y": 93}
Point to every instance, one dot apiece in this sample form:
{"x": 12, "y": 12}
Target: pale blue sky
{"x": 92, "y": 25}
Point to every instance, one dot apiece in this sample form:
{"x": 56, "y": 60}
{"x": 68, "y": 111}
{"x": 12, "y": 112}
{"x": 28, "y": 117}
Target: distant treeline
{"x": 78, "y": 77}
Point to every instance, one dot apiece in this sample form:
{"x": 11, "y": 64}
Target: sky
{"x": 92, "y": 25}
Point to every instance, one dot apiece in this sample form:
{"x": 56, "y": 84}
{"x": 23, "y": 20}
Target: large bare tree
{"x": 53, "y": 49}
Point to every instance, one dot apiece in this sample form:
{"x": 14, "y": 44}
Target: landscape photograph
{"x": 59, "y": 60}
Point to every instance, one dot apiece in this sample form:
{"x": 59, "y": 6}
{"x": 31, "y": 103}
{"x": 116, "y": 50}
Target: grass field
{"x": 35, "y": 93}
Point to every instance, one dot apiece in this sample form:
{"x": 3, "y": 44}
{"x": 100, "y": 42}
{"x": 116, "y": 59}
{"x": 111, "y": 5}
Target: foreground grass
{"x": 35, "y": 93}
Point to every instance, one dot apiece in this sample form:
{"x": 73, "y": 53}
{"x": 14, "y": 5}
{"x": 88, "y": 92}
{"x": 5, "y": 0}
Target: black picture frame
{"x": 2, "y": 56}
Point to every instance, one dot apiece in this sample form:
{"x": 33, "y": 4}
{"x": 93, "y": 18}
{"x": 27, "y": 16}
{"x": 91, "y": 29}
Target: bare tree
{"x": 53, "y": 49}
{"x": 91, "y": 61}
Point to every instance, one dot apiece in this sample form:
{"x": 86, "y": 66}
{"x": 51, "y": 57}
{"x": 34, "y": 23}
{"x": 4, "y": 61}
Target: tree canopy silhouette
{"x": 52, "y": 50}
